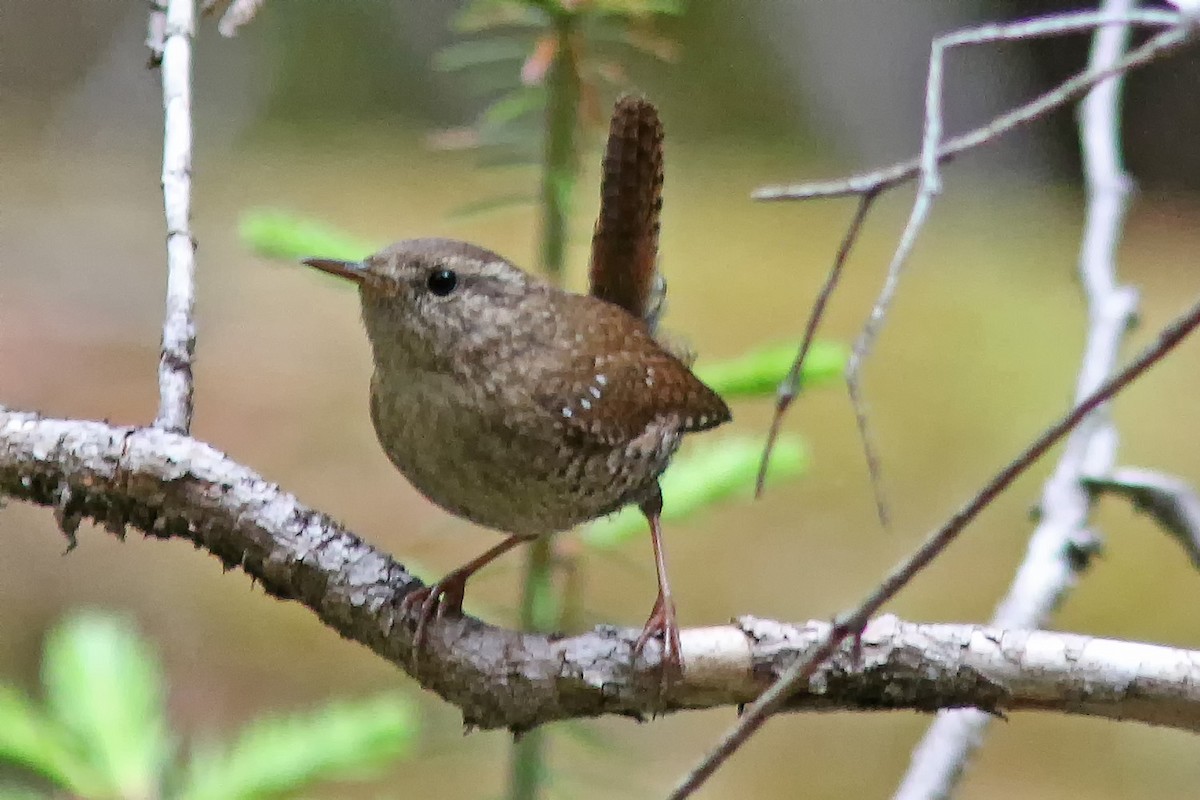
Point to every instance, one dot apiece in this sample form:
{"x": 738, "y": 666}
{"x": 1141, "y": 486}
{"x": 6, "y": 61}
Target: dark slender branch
{"x": 790, "y": 387}
{"x": 849, "y": 625}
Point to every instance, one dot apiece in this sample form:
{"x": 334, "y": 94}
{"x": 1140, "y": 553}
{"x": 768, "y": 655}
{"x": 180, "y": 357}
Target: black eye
{"x": 442, "y": 282}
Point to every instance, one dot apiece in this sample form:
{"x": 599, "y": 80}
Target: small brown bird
{"x": 520, "y": 406}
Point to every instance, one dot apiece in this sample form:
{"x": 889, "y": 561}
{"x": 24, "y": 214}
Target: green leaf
{"x": 483, "y": 15}
{"x": 759, "y": 372}
{"x": 708, "y": 475}
{"x": 32, "y": 740}
{"x": 511, "y": 138}
{"x": 283, "y": 235}
{"x": 274, "y": 757}
{"x": 103, "y": 685}
{"x": 637, "y": 8}
{"x": 481, "y": 53}
{"x": 510, "y": 108}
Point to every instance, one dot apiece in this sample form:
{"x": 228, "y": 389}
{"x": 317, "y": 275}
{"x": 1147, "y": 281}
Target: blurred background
{"x": 333, "y": 110}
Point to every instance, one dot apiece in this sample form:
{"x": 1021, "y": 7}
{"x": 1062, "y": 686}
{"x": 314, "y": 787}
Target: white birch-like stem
{"x": 1062, "y": 542}
{"x": 179, "y": 331}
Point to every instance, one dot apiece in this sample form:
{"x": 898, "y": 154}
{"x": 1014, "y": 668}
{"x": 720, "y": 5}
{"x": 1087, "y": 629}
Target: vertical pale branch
{"x": 539, "y": 610}
{"x": 1060, "y": 546}
{"x": 179, "y": 334}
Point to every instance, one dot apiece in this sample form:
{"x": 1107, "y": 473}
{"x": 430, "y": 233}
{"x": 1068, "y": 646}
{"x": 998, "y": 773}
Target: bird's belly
{"x": 513, "y": 480}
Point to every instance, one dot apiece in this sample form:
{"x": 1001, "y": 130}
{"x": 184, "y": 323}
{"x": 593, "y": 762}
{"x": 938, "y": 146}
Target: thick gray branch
{"x": 168, "y": 485}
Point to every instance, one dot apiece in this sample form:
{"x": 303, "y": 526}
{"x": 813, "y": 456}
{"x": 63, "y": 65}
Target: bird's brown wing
{"x": 615, "y": 380}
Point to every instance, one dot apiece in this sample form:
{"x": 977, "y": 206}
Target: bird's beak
{"x": 355, "y": 271}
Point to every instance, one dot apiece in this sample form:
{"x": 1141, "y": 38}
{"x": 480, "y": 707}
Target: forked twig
{"x": 790, "y": 386}
{"x": 933, "y": 152}
{"x": 1069, "y": 90}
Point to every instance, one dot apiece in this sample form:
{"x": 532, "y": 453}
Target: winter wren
{"x": 523, "y": 407}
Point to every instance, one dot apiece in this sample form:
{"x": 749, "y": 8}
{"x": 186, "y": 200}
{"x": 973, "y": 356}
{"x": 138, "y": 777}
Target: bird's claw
{"x": 661, "y": 624}
{"x": 431, "y": 602}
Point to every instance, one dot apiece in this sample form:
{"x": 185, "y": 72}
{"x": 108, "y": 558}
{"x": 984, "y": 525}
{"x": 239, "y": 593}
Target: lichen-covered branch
{"x": 171, "y": 486}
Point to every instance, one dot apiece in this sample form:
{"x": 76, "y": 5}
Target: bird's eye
{"x": 442, "y": 282}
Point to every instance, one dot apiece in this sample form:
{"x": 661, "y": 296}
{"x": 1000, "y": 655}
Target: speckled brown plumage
{"x": 515, "y": 404}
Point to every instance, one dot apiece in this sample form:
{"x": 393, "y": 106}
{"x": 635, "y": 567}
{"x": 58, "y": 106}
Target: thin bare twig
{"x": 790, "y": 387}
{"x": 851, "y": 624}
{"x": 156, "y": 32}
{"x": 179, "y": 332}
{"x": 929, "y": 188}
{"x": 1064, "y": 93}
{"x": 926, "y": 165}
{"x": 1061, "y": 545}
{"x": 236, "y": 13}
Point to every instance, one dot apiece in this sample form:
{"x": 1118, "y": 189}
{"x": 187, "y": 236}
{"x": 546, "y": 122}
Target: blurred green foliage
{"x": 102, "y": 731}
{"x": 539, "y": 69}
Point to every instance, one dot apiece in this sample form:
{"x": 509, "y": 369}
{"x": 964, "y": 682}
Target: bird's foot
{"x": 444, "y": 598}
{"x": 662, "y": 625}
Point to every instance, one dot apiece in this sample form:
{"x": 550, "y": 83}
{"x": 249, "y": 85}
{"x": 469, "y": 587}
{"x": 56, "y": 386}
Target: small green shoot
{"x": 282, "y": 235}
{"x": 759, "y": 372}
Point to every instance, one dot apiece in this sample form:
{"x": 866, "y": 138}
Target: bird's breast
{"x": 509, "y": 466}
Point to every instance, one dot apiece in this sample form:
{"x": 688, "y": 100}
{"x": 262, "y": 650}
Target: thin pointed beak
{"x": 355, "y": 271}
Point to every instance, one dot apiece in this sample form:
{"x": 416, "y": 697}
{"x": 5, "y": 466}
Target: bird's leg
{"x": 662, "y": 617}
{"x": 446, "y": 596}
